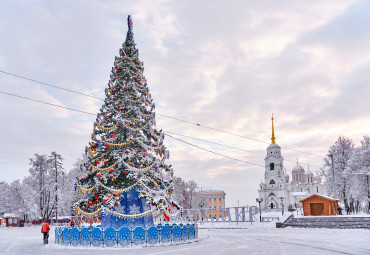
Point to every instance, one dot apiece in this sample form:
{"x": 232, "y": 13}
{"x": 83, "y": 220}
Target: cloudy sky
{"x": 223, "y": 64}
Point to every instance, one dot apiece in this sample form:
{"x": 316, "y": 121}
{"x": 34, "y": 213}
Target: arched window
{"x": 317, "y": 189}
{"x": 272, "y": 166}
{"x": 272, "y": 182}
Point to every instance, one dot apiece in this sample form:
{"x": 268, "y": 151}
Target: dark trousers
{"x": 46, "y": 236}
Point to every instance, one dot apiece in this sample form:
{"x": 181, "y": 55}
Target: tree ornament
{"x": 90, "y": 203}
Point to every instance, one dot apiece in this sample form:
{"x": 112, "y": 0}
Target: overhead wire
{"x": 72, "y": 109}
{"x": 224, "y": 145}
{"x": 166, "y": 116}
{"x": 194, "y": 145}
{"x": 166, "y": 132}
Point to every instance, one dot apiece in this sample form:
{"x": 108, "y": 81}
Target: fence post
{"x": 237, "y": 214}
{"x": 243, "y": 214}
{"x": 117, "y": 237}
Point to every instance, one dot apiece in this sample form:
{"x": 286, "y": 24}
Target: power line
{"x": 72, "y": 109}
{"x": 50, "y": 85}
{"x": 220, "y": 144}
{"x": 80, "y": 111}
{"x": 215, "y": 152}
{"x": 166, "y": 116}
{"x": 224, "y": 145}
{"x": 35, "y": 100}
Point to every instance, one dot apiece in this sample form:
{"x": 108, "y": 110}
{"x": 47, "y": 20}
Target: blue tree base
{"x": 131, "y": 204}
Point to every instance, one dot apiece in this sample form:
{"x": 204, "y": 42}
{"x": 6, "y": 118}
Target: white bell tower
{"x": 274, "y": 190}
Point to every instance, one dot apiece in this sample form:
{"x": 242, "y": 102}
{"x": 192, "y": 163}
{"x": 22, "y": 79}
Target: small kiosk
{"x": 11, "y": 220}
{"x": 319, "y": 205}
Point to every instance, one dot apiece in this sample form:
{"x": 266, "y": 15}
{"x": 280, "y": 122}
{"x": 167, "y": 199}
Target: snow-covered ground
{"x": 221, "y": 238}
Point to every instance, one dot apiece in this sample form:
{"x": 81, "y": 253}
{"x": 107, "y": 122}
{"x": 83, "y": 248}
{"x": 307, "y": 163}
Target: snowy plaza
{"x": 220, "y": 238}
{"x": 247, "y": 133}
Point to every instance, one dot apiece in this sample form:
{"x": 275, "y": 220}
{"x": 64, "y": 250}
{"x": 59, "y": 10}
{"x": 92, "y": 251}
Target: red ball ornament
{"x": 111, "y": 170}
{"x": 112, "y": 135}
{"x": 90, "y": 203}
{"x": 97, "y": 162}
{"x": 143, "y": 154}
{"x": 125, "y": 172}
{"x": 127, "y": 151}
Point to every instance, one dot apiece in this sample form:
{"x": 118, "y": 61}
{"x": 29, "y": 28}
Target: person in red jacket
{"x": 45, "y": 230}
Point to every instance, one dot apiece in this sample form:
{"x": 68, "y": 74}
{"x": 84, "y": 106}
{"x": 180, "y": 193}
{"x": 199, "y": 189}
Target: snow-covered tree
{"x": 57, "y": 173}
{"x": 341, "y": 151}
{"x": 179, "y": 192}
{"x": 5, "y": 198}
{"x": 68, "y": 195}
{"x": 358, "y": 174}
{"x": 190, "y": 189}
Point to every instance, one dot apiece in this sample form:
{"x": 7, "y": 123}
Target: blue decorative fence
{"x": 125, "y": 236}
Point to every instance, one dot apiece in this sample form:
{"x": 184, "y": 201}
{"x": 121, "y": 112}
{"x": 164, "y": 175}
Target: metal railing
{"x": 98, "y": 237}
{"x": 216, "y": 215}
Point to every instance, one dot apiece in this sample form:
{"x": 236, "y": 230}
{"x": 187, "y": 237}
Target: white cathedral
{"x": 277, "y": 192}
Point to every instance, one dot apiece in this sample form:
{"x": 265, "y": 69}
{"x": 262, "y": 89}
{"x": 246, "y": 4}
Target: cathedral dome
{"x": 298, "y": 168}
{"x": 273, "y": 145}
{"x": 309, "y": 173}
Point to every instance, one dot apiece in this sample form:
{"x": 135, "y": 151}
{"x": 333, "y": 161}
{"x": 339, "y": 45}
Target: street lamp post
{"x": 282, "y": 205}
{"x": 332, "y": 165}
{"x": 259, "y": 201}
{"x": 201, "y": 204}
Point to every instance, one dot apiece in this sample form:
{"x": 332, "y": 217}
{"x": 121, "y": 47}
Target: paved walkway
{"x": 253, "y": 240}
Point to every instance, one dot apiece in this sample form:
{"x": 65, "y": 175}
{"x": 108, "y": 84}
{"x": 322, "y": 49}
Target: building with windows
{"x": 277, "y": 190}
{"x": 208, "y": 198}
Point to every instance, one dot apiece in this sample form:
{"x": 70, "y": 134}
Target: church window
{"x": 272, "y": 182}
{"x": 272, "y": 166}
{"x": 317, "y": 189}
{"x": 301, "y": 189}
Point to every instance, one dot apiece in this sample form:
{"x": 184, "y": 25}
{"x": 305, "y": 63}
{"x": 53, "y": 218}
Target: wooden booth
{"x": 318, "y": 205}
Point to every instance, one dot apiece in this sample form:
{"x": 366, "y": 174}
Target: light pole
{"x": 282, "y": 205}
{"x": 201, "y": 204}
{"x": 259, "y": 201}
{"x": 332, "y": 165}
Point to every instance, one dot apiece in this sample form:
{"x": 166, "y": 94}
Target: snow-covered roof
{"x": 298, "y": 168}
{"x": 319, "y": 195}
{"x": 207, "y": 189}
{"x": 299, "y": 193}
{"x": 273, "y": 145}
{"x": 12, "y": 215}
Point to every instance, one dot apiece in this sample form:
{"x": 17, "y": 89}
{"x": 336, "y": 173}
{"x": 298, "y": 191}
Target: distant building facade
{"x": 276, "y": 191}
{"x": 208, "y": 198}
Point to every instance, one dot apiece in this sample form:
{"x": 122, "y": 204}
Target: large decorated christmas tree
{"x": 127, "y": 181}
